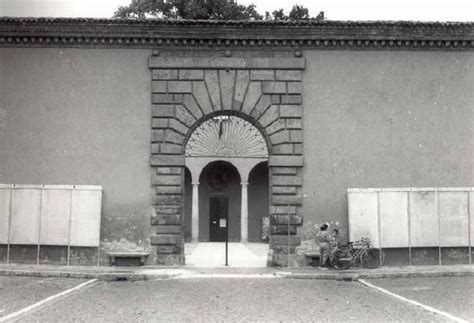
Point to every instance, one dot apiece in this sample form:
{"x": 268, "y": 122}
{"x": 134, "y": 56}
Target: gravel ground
{"x": 19, "y": 292}
{"x": 199, "y": 300}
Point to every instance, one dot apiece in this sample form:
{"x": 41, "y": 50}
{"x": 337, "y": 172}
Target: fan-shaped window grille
{"x": 226, "y": 136}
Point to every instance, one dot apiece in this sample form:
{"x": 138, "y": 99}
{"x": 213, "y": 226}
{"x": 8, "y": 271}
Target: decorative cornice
{"x": 153, "y": 33}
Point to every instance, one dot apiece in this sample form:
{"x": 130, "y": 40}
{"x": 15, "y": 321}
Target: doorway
{"x": 218, "y": 218}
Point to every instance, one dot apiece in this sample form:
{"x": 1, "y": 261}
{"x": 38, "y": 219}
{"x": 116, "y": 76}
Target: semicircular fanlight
{"x": 226, "y": 136}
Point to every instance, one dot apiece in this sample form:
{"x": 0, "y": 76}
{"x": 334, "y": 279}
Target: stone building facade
{"x": 305, "y": 110}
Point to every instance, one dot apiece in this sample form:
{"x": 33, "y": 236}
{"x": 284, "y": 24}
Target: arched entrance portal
{"x": 227, "y": 159}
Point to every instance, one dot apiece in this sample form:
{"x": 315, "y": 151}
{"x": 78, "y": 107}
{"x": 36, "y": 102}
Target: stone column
{"x": 195, "y": 212}
{"x": 244, "y": 213}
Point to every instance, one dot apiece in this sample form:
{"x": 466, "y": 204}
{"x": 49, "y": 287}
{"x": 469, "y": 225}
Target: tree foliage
{"x": 206, "y": 10}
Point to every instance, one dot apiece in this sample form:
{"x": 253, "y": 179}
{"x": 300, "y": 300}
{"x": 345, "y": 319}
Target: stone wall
{"x": 186, "y": 90}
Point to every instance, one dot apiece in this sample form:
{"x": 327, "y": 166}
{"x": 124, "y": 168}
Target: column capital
{"x": 195, "y": 183}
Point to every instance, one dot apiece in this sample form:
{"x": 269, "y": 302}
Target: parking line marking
{"x": 415, "y": 303}
{"x": 46, "y": 300}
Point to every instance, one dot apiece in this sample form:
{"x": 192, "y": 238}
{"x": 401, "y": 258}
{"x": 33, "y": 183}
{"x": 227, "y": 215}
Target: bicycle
{"x": 357, "y": 252}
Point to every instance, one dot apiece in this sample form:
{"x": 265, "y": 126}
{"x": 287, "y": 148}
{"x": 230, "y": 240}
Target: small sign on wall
{"x": 222, "y": 223}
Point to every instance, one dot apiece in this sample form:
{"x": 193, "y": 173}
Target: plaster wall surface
{"x": 384, "y": 119}
{"x": 74, "y": 116}
{"x": 371, "y": 119}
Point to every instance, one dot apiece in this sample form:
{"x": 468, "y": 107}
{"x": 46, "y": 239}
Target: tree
{"x": 188, "y": 9}
{"x": 298, "y": 13}
{"x": 206, "y": 10}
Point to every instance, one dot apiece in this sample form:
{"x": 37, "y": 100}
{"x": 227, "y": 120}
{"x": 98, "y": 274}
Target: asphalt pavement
{"x": 239, "y": 299}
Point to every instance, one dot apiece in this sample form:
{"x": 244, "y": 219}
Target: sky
{"x": 421, "y": 10}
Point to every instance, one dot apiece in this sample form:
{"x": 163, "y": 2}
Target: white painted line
{"x": 44, "y": 301}
{"x": 415, "y": 303}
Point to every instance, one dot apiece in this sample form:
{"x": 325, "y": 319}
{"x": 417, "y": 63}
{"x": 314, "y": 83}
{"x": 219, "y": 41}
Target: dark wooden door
{"x": 218, "y": 218}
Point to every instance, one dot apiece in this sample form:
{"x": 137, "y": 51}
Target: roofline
{"x": 302, "y": 34}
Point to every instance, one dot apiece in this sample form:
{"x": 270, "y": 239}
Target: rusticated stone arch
{"x": 188, "y": 90}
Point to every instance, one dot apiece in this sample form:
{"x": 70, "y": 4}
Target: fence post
{"x": 379, "y": 229}
{"x": 439, "y": 227}
{"x": 69, "y": 232}
{"x": 409, "y": 227}
{"x": 469, "y": 249}
{"x": 9, "y": 224}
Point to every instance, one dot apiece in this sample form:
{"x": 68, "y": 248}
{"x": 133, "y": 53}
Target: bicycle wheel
{"x": 341, "y": 259}
{"x": 370, "y": 258}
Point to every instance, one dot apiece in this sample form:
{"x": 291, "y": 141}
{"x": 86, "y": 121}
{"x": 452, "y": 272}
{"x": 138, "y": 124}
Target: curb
{"x": 356, "y": 276}
{"x": 137, "y": 276}
{"x": 112, "y": 276}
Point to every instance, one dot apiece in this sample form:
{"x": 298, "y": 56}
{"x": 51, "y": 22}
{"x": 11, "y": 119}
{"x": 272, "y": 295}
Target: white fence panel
{"x": 393, "y": 219}
{"x": 431, "y": 217}
{"x": 4, "y": 213}
{"x": 85, "y": 217}
{"x": 453, "y": 219}
{"x": 424, "y": 228}
{"x": 25, "y": 217}
{"x": 363, "y": 217}
{"x": 55, "y": 217}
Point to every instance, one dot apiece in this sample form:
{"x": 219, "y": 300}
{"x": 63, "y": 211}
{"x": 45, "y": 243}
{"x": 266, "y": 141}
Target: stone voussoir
{"x": 280, "y": 137}
{"x": 179, "y": 127}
